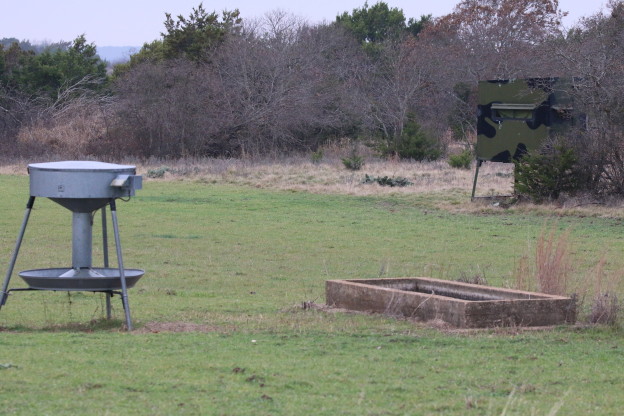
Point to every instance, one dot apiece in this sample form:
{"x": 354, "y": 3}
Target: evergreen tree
{"x": 192, "y": 37}
{"x": 53, "y": 71}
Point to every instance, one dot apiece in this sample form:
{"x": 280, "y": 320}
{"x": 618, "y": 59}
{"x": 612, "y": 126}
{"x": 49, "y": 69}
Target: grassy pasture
{"x": 220, "y": 328}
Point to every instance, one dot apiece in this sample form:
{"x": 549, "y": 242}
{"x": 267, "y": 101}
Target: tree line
{"x": 218, "y": 85}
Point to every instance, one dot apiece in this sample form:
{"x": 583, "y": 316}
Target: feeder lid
{"x": 83, "y": 186}
{"x": 80, "y": 165}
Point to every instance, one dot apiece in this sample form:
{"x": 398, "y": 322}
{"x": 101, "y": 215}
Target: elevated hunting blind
{"x": 516, "y": 116}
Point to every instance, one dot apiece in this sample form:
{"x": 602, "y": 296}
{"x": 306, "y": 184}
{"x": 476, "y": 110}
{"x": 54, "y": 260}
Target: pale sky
{"x": 134, "y": 22}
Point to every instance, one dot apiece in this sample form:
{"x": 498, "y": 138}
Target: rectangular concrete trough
{"x": 462, "y": 305}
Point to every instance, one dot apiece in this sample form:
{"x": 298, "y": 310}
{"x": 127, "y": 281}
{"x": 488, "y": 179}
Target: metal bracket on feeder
{"x": 128, "y": 182}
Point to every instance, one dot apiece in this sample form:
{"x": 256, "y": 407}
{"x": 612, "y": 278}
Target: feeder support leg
{"x": 105, "y": 247}
{"x": 18, "y": 243}
{"x": 474, "y": 183}
{"x": 122, "y": 275}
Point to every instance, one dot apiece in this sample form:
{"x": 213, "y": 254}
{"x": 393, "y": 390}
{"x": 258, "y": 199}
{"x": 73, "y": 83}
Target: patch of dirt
{"x": 156, "y": 327}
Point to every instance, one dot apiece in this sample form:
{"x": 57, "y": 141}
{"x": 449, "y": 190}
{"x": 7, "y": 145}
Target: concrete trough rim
{"x": 483, "y": 306}
{"x": 533, "y": 296}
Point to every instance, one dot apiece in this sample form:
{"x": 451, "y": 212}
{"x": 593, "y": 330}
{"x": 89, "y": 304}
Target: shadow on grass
{"x": 95, "y": 325}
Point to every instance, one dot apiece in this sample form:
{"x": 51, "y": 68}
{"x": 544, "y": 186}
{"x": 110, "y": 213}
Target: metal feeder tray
{"x": 100, "y": 279}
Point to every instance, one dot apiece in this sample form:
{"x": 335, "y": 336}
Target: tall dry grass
{"x": 69, "y": 131}
{"x": 552, "y": 261}
{"x": 552, "y": 271}
{"x": 523, "y": 275}
{"x": 604, "y": 305}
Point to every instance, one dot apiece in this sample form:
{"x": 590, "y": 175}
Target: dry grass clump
{"x": 14, "y": 166}
{"x": 552, "y": 273}
{"x": 553, "y": 267}
{"x": 604, "y": 305}
{"x": 70, "y": 131}
{"x": 523, "y": 277}
{"x": 604, "y": 309}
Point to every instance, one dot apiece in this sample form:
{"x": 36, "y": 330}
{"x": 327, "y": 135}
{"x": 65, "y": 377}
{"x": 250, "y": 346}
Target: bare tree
{"x": 592, "y": 55}
{"x": 277, "y": 85}
{"x": 494, "y": 38}
{"x": 398, "y": 84}
{"x": 480, "y": 40}
{"x": 284, "y": 86}
{"x": 170, "y": 109}
{"x": 15, "y": 111}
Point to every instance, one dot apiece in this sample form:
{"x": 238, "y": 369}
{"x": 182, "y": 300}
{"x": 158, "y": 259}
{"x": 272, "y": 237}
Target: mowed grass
{"x": 234, "y": 264}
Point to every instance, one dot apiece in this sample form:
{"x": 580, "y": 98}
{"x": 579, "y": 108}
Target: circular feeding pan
{"x": 52, "y": 279}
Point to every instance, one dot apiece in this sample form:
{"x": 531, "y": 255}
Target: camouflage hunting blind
{"x": 516, "y": 116}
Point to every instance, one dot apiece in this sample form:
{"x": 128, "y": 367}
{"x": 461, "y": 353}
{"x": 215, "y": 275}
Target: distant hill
{"x": 116, "y": 54}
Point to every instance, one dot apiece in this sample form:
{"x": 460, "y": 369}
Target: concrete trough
{"x": 461, "y": 305}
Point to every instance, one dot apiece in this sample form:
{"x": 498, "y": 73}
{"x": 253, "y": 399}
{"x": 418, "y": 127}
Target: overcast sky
{"x": 134, "y": 22}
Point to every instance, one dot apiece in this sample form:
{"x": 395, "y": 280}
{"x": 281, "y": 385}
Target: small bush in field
{"x": 604, "y": 309}
{"x": 461, "y": 160}
{"x": 546, "y": 175}
{"x": 157, "y": 173}
{"x": 387, "y": 181}
{"x": 605, "y": 305}
{"x": 476, "y": 279}
{"x": 353, "y": 162}
{"x": 316, "y": 157}
{"x": 414, "y": 143}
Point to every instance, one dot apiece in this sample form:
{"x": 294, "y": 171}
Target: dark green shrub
{"x": 387, "y": 181}
{"x": 547, "y": 174}
{"x": 353, "y": 162}
{"x": 461, "y": 160}
{"x": 316, "y": 157}
{"x": 414, "y": 143}
{"x": 158, "y": 173}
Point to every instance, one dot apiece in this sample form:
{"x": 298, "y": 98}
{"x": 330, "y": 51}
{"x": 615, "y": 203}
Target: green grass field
{"x": 228, "y": 268}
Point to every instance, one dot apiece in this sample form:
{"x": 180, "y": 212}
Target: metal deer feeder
{"x": 83, "y": 187}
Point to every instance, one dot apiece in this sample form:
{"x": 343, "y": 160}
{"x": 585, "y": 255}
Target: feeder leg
{"x": 108, "y": 306}
{"x": 474, "y": 183}
{"x": 122, "y": 275}
{"x": 105, "y": 247}
{"x": 18, "y": 243}
{"x": 104, "y": 237}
